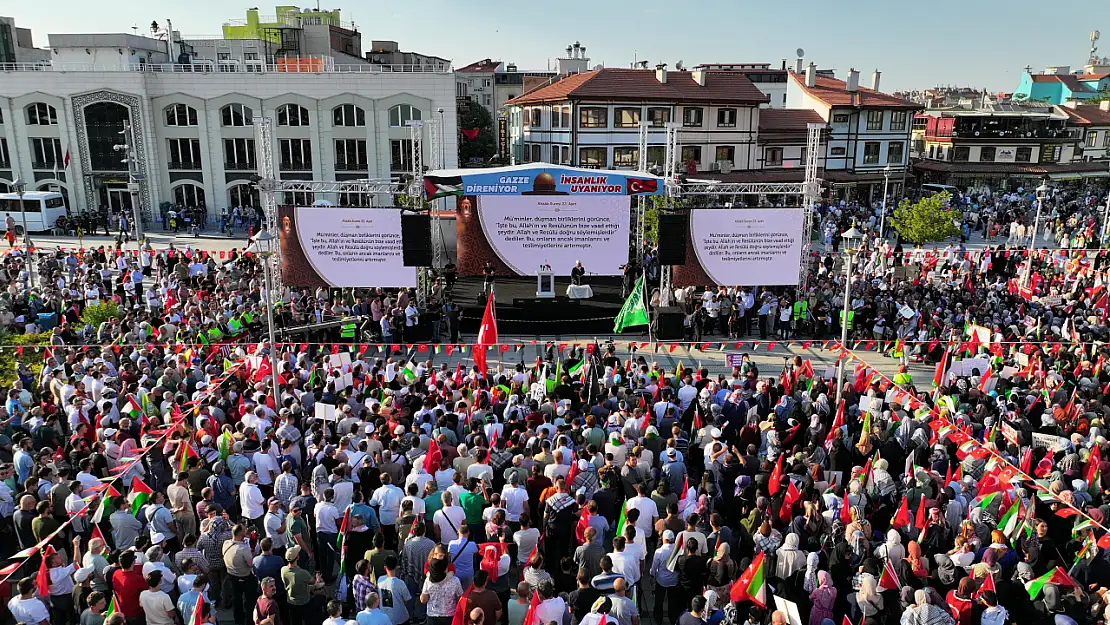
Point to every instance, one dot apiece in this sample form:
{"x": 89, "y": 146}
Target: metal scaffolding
{"x": 639, "y": 216}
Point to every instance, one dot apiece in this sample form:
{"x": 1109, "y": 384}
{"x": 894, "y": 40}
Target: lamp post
{"x": 887, "y": 171}
{"x": 134, "y": 177}
{"x": 20, "y": 189}
{"x": 850, "y": 238}
{"x": 1042, "y": 192}
{"x": 265, "y": 242}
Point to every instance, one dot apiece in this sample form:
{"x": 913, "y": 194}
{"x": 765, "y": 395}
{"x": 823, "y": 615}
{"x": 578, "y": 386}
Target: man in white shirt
{"x": 625, "y": 563}
{"x": 26, "y": 607}
{"x": 251, "y": 499}
{"x": 387, "y": 499}
{"x": 156, "y": 605}
{"x": 515, "y": 499}
{"x": 327, "y": 531}
{"x": 274, "y": 523}
{"x": 649, "y": 510}
{"x": 448, "y": 520}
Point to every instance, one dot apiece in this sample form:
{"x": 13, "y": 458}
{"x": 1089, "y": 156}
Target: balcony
{"x": 48, "y": 165}
{"x": 351, "y": 167}
{"x": 249, "y": 166}
{"x": 295, "y": 166}
{"x": 185, "y": 165}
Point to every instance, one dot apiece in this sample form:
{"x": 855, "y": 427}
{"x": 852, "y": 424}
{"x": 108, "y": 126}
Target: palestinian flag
{"x": 183, "y": 454}
{"x": 198, "y": 610}
{"x": 343, "y": 528}
{"x": 942, "y": 366}
{"x": 113, "y": 607}
{"x": 889, "y": 579}
{"x": 132, "y": 408}
{"x": 409, "y": 371}
{"x": 1057, "y": 576}
{"x": 142, "y": 493}
{"x": 226, "y": 443}
{"x": 442, "y": 186}
{"x": 104, "y": 510}
{"x": 1010, "y": 519}
{"x": 752, "y": 585}
{"x": 622, "y": 520}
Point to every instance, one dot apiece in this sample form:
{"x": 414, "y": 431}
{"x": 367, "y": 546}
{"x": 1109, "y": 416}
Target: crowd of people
{"x": 158, "y": 469}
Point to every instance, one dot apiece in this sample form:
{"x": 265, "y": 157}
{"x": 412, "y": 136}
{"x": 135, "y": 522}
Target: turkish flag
{"x": 470, "y": 133}
{"x": 902, "y": 517}
{"x": 642, "y": 185}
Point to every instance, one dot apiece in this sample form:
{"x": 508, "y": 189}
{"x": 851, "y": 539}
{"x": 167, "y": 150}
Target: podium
{"x": 545, "y": 282}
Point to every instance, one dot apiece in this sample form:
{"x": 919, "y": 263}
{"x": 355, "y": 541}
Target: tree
{"x": 484, "y": 146}
{"x": 927, "y": 220}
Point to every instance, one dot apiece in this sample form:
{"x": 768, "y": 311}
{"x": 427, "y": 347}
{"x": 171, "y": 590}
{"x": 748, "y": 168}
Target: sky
{"x": 917, "y": 45}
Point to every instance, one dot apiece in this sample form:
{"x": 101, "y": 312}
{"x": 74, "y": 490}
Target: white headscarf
{"x": 789, "y": 559}
{"x": 812, "y": 562}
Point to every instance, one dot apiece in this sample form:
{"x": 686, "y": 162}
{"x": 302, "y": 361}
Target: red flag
{"x": 573, "y": 473}
{"x": 1027, "y": 460}
{"x": 460, "y": 608}
{"x": 487, "y": 335}
{"x": 533, "y": 603}
{"x": 902, "y": 517}
{"x": 42, "y": 580}
{"x": 948, "y": 474}
{"x": 775, "y": 482}
{"x": 96, "y": 533}
{"x": 889, "y": 579}
{"x": 432, "y": 457}
{"x": 582, "y": 525}
{"x": 1066, "y": 512}
{"x": 838, "y": 423}
{"x": 988, "y": 584}
{"x": 845, "y": 510}
{"x": 739, "y": 591}
{"x": 786, "y": 512}
{"x": 919, "y": 521}
{"x": 1091, "y": 473}
{"x": 198, "y": 610}
{"x": 458, "y": 380}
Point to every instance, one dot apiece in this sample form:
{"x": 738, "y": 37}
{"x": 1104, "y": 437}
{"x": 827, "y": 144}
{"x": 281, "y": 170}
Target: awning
{"x": 1102, "y": 173}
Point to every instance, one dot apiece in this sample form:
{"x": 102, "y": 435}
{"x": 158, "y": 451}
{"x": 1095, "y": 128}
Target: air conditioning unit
{"x": 724, "y": 166}
{"x": 715, "y": 166}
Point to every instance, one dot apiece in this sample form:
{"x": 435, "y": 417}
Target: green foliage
{"x": 1098, "y": 97}
{"x": 32, "y": 357}
{"x": 484, "y": 146}
{"x": 927, "y": 220}
{"x": 651, "y": 219}
{"x": 99, "y": 313}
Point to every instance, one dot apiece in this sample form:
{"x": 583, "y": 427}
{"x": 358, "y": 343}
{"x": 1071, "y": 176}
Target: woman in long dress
{"x": 822, "y": 598}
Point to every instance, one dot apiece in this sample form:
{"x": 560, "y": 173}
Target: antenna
{"x": 1094, "y": 45}
{"x": 801, "y": 53}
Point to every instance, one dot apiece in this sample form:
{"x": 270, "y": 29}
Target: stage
{"x": 519, "y": 311}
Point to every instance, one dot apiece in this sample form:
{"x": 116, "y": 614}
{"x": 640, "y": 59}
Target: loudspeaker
{"x": 416, "y": 240}
{"x": 670, "y": 326}
{"x": 672, "y": 239}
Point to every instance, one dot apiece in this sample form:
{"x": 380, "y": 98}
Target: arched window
{"x": 348, "y": 115}
{"x": 401, "y": 114}
{"x": 236, "y": 115}
{"x": 292, "y": 115}
{"x": 188, "y": 195}
{"x": 181, "y": 115}
{"x": 243, "y": 195}
{"x": 41, "y": 114}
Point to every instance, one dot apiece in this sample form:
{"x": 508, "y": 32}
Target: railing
{"x": 351, "y": 167}
{"x": 43, "y": 165}
{"x": 186, "y": 165}
{"x": 295, "y": 166}
{"x": 240, "y": 166}
{"x": 208, "y": 68}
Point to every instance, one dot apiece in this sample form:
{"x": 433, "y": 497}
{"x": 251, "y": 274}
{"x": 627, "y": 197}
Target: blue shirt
{"x": 372, "y": 617}
{"x": 367, "y": 513}
{"x": 395, "y": 596}
{"x": 160, "y": 519}
{"x": 267, "y": 566}
{"x": 186, "y": 604}
{"x": 15, "y": 410}
{"x": 24, "y": 464}
{"x": 462, "y": 552}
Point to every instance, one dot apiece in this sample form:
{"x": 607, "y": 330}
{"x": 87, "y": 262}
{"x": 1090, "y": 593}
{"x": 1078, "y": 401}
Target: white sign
{"x": 325, "y": 412}
{"x": 350, "y": 247}
{"x": 527, "y": 231}
{"x": 1047, "y": 440}
{"x": 1005, "y": 155}
{"x": 753, "y": 246}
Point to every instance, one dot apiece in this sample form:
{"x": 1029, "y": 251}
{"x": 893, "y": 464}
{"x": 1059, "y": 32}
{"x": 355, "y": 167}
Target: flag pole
{"x": 651, "y": 344}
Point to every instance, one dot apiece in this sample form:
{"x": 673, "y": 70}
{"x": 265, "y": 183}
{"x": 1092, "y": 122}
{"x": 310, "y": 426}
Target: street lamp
{"x": 265, "y": 242}
{"x": 1042, "y": 193}
{"x": 851, "y": 237}
{"x": 20, "y": 189}
{"x": 888, "y": 171}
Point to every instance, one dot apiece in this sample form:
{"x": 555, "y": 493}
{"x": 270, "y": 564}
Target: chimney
{"x": 661, "y": 73}
{"x": 853, "y": 81}
{"x": 799, "y": 66}
{"x": 699, "y": 76}
{"x": 875, "y": 80}
{"x": 811, "y": 75}
{"x": 1104, "y": 105}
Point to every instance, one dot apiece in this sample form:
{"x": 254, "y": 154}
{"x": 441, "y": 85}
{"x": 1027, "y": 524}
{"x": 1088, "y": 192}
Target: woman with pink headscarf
{"x": 823, "y": 598}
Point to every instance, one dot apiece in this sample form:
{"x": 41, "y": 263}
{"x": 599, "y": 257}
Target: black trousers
{"x": 243, "y": 595}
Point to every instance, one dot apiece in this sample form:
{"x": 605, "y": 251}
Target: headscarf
{"x": 789, "y": 558}
{"x": 917, "y": 562}
{"x": 813, "y": 560}
{"x": 946, "y": 569}
{"x": 892, "y": 549}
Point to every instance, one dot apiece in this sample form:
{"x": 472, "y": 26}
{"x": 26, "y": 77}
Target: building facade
{"x": 772, "y": 82}
{"x": 868, "y": 132}
{"x": 1059, "y": 85}
{"x": 16, "y": 45}
{"x": 490, "y": 84}
{"x": 194, "y": 133}
{"x": 1093, "y": 120}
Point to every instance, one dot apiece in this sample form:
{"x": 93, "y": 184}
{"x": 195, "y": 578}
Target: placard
{"x": 790, "y": 609}
{"x": 1048, "y": 441}
{"x": 734, "y": 360}
{"x": 1009, "y": 433}
{"x": 337, "y": 361}
{"x": 325, "y": 412}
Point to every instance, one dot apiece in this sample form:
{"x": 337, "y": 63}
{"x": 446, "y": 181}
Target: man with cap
{"x": 299, "y": 585}
{"x": 666, "y": 580}
{"x": 275, "y": 527}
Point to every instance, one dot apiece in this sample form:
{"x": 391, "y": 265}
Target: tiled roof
{"x": 1071, "y": 81}
{"x": 642, "y": 85}
{"x": 1088, "y": 115}
{"x": 786, "y": 120}
{"x": 1092, "y": 76}
{"x": 485, "y": 65}
{"x": 834, "y": 92}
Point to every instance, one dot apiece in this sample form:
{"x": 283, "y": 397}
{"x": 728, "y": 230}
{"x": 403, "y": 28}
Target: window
{"x": 838, "y": 151}
{"x": 1023, "y": 155}
{"x": 296, "y": 154}
{"x": 104, "y": 126}
{"x": 487, "y": 99}
{"x": 536, "y": 117}
{"x": 46, "y": 153}
{"x": 402, "y": 114}
{"x": 239, "y": 154}
{"x": 656, "y": 155}
{"x": 189, "y": 195}
{"x": 871, "y": 151}
{"x": 184, "y": 154}
{"x": 591, "y": 157}
{"x": 1, "y": 117}
{"x": 986, "y": 154}
{"x": 691, "y": 153}
{"x": 593, "y": 117}
{"x": 5, "y": 157}
{"x": 1050, "y": 153}
{"x": 566, "y": 154}
{"x": 1106, "y": 139}
{"x": 243, "y": 195}
{"x": 726, "y": 153}
{"x": 41, "y": 114}
{"x": 726, "y": 118}
{"x": 626, "y": 156}
{"x": 223, "y": 56}
{"x": 556, "y": 121}
{"x": 961, "y": 154}
{"x": 659, "y": 117}
{"x": 874, "y": 120}
{"x": 348, "y": 115}
{"x": 250, "y": 56}
{"x": 565, "y": 115}
{"x": 292, "y": 115}
{"x": 895, "y": 151}
{"x": 236, "y": 115}
{"x": 181, "y": 115}
{"x": 626, "y": 118}
{"x": 898, "y": 120}
{"x": 350, "y": 154}
{"x": 772, "y": 157}
{"x": 400, "y": 155}
{"x": 348, "y": 199}
{"x": 537, "y": 153}
{"x": 1092, "y": 139}
{"x": 298, "y": 198}
{"x": 691, "y": 117}
{"x": 840, "y": 119}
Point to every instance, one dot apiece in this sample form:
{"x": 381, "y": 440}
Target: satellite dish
{"x": 800, "y": 52}
{"x": 678, "y": 65}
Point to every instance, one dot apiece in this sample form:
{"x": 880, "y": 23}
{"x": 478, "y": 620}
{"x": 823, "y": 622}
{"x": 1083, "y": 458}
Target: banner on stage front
{"x": 744, "y": 246}
{"x": 342, "y": 247}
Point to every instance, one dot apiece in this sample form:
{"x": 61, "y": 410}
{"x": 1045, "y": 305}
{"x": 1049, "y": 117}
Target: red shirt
{"x": 127, "y": 585}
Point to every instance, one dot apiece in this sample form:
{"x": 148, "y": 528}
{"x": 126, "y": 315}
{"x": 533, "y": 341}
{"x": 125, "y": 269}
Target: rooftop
{"x": 1093, "y": 76}
{"x": 305, "y": 66}
{"x": 643, "y": 84}
{"x": 485, "y": 65}
{"x": 835, "y": 92}
{"x": 1071, "y": 81}
{"x": 1088, "y": 115}
{"x": 787, "y": 120}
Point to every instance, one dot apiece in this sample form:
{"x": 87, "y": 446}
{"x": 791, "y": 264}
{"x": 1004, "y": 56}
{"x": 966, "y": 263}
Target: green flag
{"x": 633, "y": 313}
{"x": 622, "y": 520}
